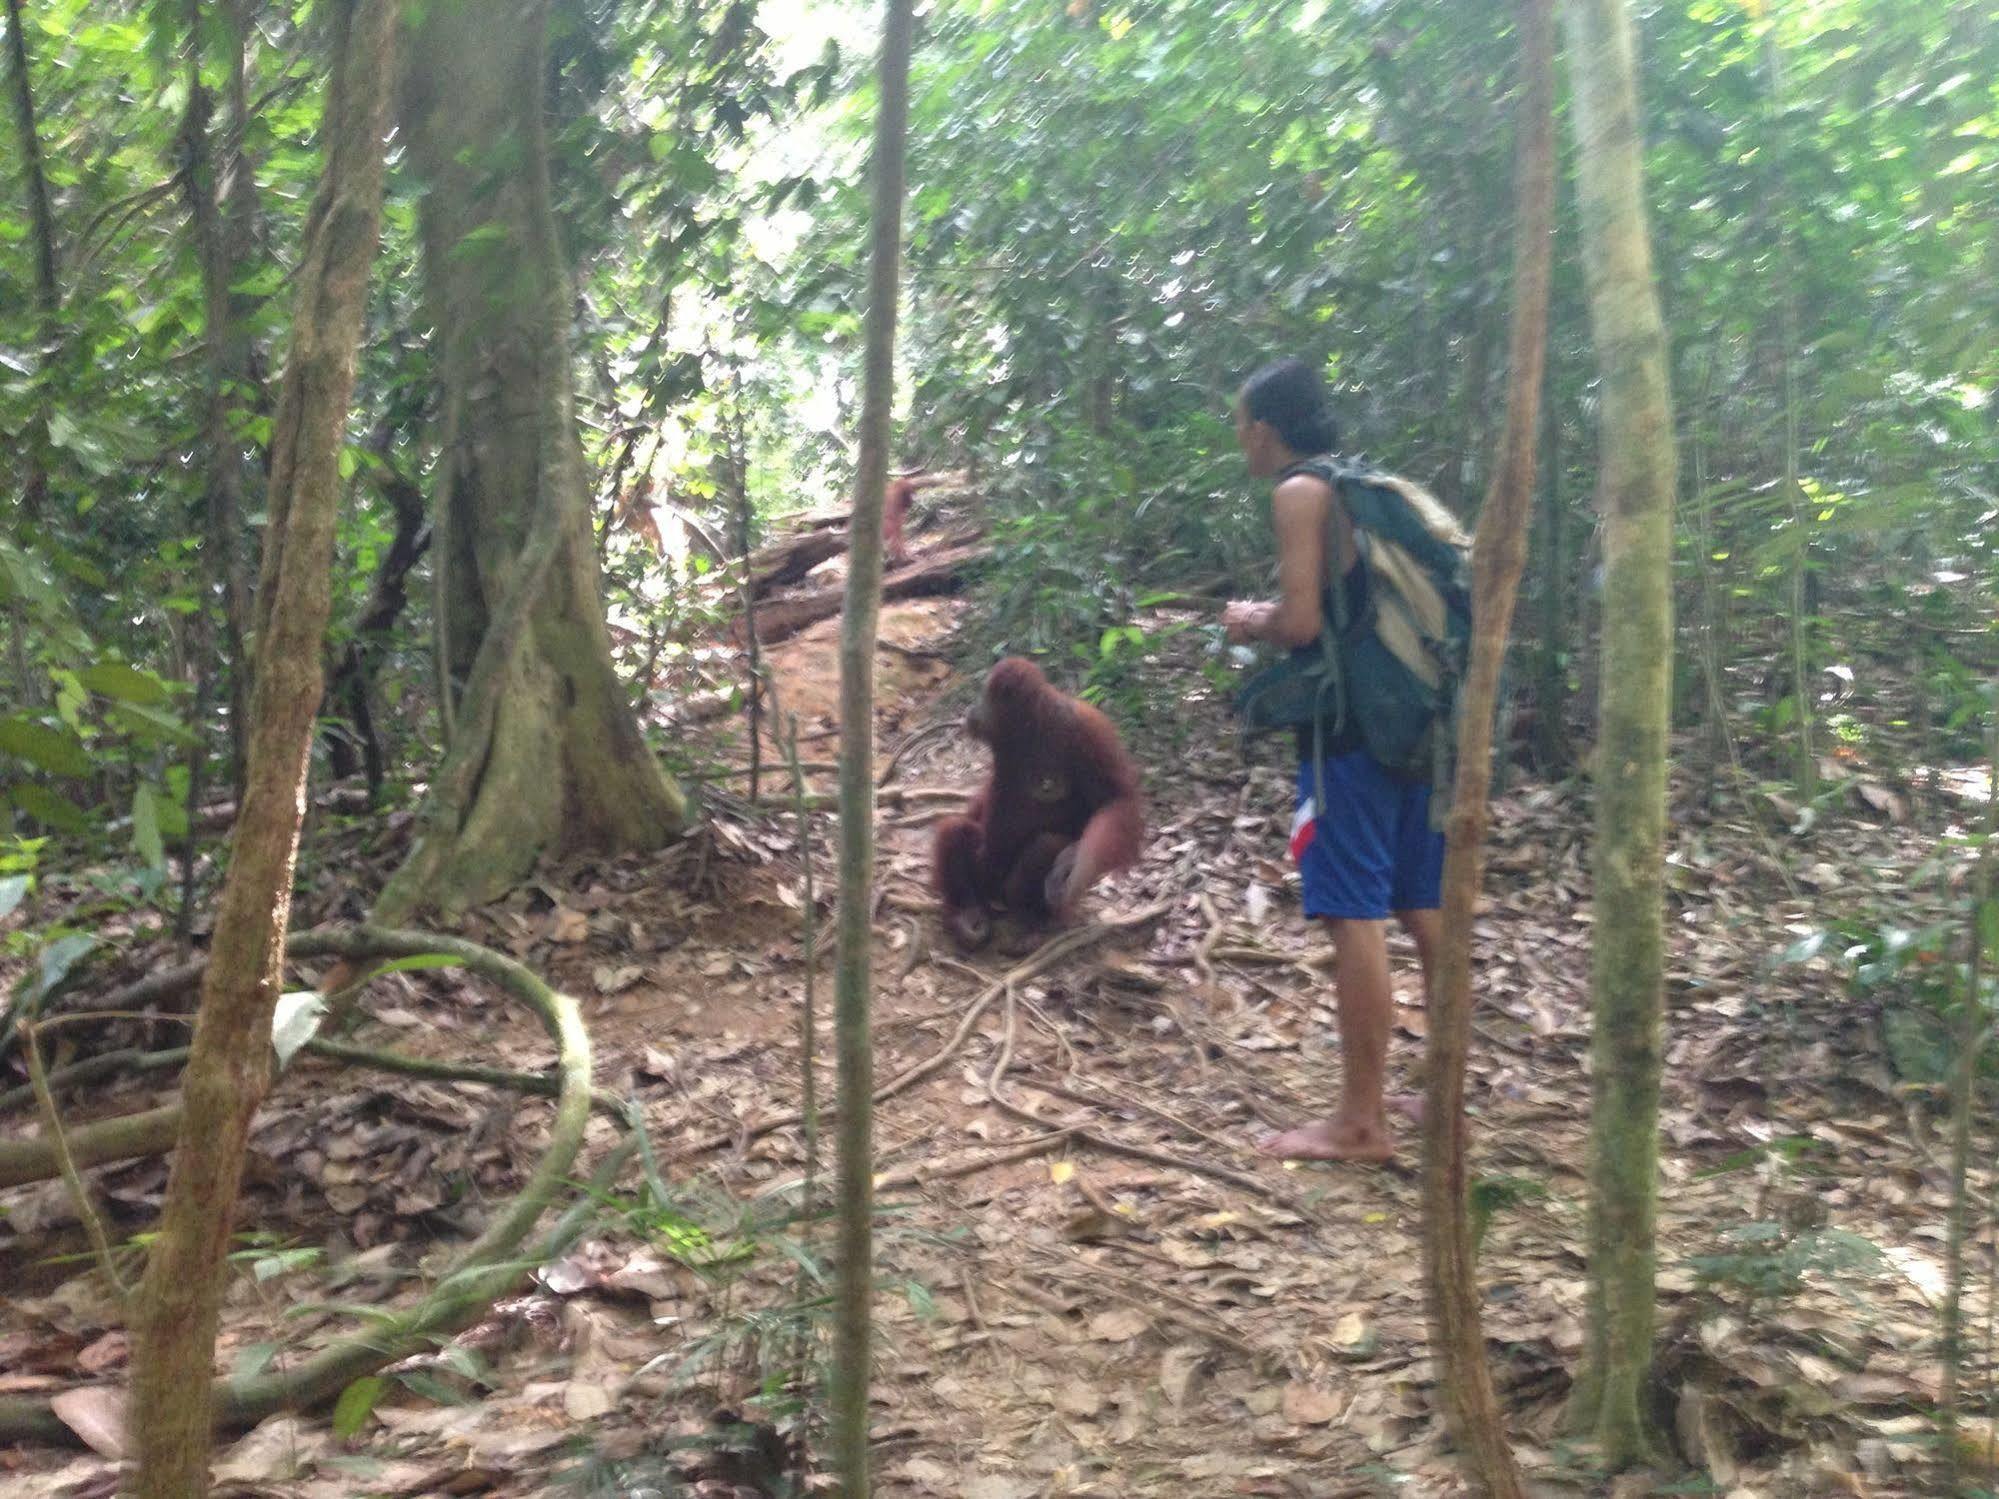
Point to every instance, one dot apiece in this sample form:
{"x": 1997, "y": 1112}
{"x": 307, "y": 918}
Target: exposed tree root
{"x": 482, "y": 1271}
{"x": 133, "y": 1136}
{"x": 25, "y": 1157}
{"x": 1110, "y": 1144}
{"x": 1043, "y": 958}
{"x": 125, "y": 1138}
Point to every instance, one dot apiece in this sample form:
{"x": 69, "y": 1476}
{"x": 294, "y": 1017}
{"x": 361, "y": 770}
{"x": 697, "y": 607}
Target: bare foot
{"x": 1408, "y": 1105}
{"x": 1329, "y": 1140}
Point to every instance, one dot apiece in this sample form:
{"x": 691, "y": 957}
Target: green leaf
{"x": 58, "y": 751}
{"x": 57, "y": 959}
{"x": 253, "y": 1360}
{"x": 1988, "y": 924}
{"x": 261, "y": 283}
{"x": 423, "y": 1382}
{"x": 50, "y": 808}
{"x": 146, "y": 827}
{"x": 126, "y": 683}
{"x": 920, "y": 1300}
{"x": 466, "y": 1362}
{"x": 71, "y": 699}
{"x": 171, "y": 809}
{"x": 269, "y": 1267}
{"x": 357, "y": 1403}
{"x": 294, "y": 1022}
{"x": 149, "y": 724}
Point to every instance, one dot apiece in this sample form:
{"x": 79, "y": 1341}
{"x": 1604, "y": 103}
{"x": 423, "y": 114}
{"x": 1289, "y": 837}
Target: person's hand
{"x": 1242, "y": 621}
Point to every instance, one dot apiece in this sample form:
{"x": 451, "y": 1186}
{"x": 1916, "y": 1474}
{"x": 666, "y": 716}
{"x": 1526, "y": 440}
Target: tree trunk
{"x": 1551, "y": 693}
{"x": 351, "y": 691}
{"x": 1635, "y": 493}
{"x": 735, "y": 476}
{"x": 1497, "y": 562}
{"x": 547, "y": 755}
{"x": 215, "y": 182}
{"x": 853, "y": 1309}
{"x": 229, "y": 1065}
{"x": 48, "y": 301}
{"x": 1778, "y": 162}
{"x": 1973, "y": 1027}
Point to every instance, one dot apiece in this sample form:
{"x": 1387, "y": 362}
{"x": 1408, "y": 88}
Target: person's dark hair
{"x": 1287, "y": 394}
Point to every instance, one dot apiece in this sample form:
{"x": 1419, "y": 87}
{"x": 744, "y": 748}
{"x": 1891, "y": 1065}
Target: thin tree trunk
{"x": 215, "y": 183}
{"x": 853, "y": 1312}
{"x": 1798, "y": 574}
{"x": 229, "y": 1065}
{"x": 1714, "y": 722}
{"x": 48, "y": 301}
{"x": 546, "y": 752}
{"x": 41, "y": 216}
{"x": 1635, "y": 492}
{"x": 1803, "y": 696}
{"x": 351, "y": 690}
{"x": 1499, "y": 557}
{"x": 222, "y": 509}
{"x": 1551, "y": 694}
{"x": 736, "y": 462}
{"x": 1974, "y": 1026}
{"x": 48, "y": 292}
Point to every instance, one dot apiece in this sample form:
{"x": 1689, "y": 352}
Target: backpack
{"x": 1385, "y": 679}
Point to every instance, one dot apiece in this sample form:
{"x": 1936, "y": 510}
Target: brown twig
{"x": 1095, "y": 1101}
{"x": 1110, "y": 1144}
{"x": 1043, "y": 958}
{"x": 1146, "y": 1299}
{"x": 86, "y": 1209}
{"x": 920, "y": 1176}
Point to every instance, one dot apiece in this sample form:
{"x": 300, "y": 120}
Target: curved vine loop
{"x": 481, "y": 1271}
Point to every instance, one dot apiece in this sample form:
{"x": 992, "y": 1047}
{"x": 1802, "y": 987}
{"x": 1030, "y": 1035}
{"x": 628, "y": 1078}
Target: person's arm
{"x": 1298, "y": 512}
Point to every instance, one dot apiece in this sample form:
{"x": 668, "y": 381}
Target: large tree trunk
{"x": 1498, "y": 560}
{"x": 854, "y": 1298}
{"x": 229, "y": 1066}
{"x": 547, "y": 755}
{"x": 1635, "y": 492}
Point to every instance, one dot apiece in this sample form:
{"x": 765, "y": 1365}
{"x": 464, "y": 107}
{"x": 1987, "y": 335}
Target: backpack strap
{"x": 1332, "y": 620}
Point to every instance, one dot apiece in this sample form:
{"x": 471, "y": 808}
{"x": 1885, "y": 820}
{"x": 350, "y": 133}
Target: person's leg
{"x": 1345, "y": 859}
{"x": 1426, "y": 929}
{"x": 1416, "y": 890}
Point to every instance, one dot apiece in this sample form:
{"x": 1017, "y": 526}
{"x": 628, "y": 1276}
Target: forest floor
{"x": 1092, "y": 1285}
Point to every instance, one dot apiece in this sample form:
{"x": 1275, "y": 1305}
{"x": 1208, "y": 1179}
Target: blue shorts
{"x": 1370, "y": 850}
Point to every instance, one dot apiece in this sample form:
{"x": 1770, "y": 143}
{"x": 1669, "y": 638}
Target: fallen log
{"x": 926, "y": 576}
{"x": 788, "y": 561}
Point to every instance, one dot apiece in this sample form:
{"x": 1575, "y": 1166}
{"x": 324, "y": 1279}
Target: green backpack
{"x": 1385, "y": 680}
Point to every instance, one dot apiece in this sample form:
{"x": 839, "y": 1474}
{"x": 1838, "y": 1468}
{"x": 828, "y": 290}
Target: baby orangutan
{"x": 1058, "y": 812}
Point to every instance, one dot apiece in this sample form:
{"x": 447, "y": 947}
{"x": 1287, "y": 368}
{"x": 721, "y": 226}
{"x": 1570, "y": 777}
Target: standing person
{"x": 1370, "y": 850}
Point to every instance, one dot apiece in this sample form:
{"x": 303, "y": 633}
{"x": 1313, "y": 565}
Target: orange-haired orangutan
{"x": 895, "y": 513}
{"x": 1059, "y": 811}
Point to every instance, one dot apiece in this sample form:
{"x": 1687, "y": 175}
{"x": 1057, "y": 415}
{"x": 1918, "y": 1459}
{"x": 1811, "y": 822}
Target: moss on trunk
{"x": 551, "y": 759}
{"x": 1635, "y": 492}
